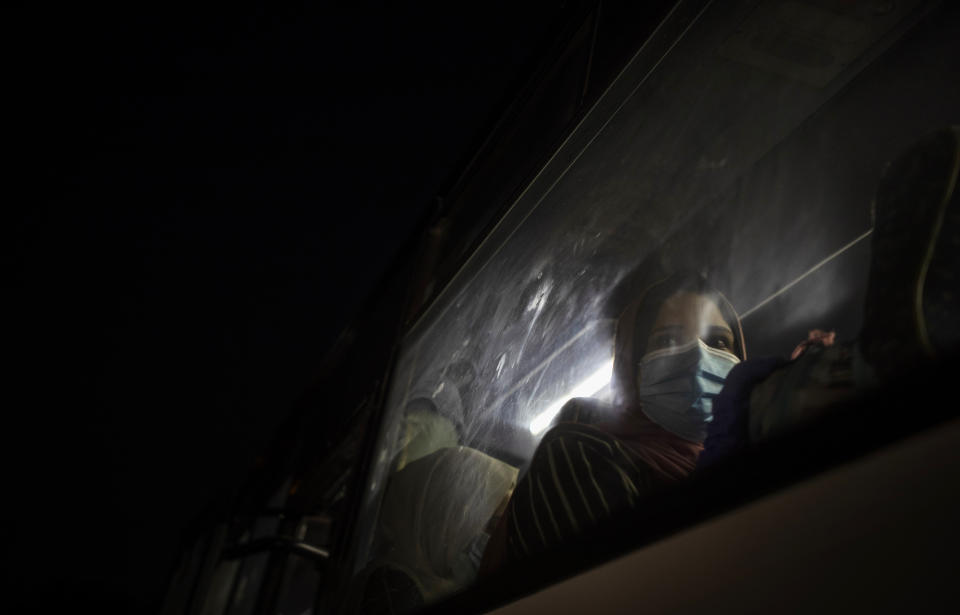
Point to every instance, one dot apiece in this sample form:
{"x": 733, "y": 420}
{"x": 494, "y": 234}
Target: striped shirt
{"x": 582, "y": 474}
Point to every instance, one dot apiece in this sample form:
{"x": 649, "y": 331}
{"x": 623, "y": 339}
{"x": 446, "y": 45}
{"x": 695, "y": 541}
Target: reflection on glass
{"x": 508, "y": 426}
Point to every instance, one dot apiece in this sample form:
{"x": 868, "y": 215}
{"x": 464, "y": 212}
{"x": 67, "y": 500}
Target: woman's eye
{"x": 720, "y": 343}
{"x": 665, "y": 341}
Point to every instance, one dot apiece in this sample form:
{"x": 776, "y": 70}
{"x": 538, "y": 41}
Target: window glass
{"x": 749, "y": 153}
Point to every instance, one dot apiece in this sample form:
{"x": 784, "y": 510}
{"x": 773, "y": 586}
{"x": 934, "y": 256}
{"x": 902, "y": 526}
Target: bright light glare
{"x": 592, "y": 385}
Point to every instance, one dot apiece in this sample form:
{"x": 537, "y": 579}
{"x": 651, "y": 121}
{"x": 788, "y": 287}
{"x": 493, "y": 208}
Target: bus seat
{"x": 434, "y": 516}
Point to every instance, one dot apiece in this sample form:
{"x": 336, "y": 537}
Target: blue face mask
{"x": 677, "y": 386}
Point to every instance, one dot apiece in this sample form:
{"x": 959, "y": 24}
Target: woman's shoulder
{"x": 585, "y": 410}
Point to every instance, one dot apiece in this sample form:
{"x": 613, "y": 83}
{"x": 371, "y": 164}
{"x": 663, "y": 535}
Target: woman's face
{"x": 686, "y": 316}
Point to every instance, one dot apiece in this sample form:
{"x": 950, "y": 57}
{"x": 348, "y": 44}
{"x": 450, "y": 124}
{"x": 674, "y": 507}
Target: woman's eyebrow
{"x": 719, "y": 329}
{"x": 666, "y": 328}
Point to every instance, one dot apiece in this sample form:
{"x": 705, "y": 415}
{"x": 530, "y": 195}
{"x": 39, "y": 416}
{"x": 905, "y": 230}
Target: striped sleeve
{"x": 578, "y": 477}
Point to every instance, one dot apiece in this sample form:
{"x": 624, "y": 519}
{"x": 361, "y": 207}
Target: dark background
{"x": 210, "y": 197}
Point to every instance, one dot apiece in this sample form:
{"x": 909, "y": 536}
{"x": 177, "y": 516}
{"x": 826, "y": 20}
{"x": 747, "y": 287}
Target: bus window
{"x": 715, "y": 201}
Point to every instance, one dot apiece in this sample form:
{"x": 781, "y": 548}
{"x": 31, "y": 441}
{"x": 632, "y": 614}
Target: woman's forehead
{"x": 687, "y": 308}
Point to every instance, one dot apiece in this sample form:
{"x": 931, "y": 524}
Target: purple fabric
{"x": 728, "y": 431}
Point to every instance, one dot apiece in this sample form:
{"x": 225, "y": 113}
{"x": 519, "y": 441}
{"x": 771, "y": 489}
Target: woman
{"x": 673, "y": 349}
